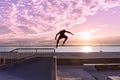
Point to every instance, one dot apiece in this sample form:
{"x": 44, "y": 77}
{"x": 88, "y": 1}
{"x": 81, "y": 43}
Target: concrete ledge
{"x": 113, "y": 78}
{"x": 107, "y": 67}
{"x": 70, "y": 79}
{"x": 88, "y": 61}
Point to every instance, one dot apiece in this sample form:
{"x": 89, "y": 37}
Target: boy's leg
{"x": 65, "y": 40}
{"x": 57, "y": 42}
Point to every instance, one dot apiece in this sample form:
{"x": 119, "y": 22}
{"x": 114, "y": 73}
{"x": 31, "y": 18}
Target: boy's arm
{"x": 69, "y": 32}
{"x": 56, "y": 35}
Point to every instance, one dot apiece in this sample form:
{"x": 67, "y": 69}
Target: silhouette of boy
{"x": 62, "y": 35}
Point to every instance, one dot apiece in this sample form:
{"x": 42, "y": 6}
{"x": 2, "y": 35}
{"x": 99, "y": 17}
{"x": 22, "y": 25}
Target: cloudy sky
{"x": 37, "y": 21}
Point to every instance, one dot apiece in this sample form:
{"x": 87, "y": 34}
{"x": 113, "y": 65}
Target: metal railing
{"x": 10, "y": 58}
{"x": 19, "y": 54}
{"x": 34, "y": 50}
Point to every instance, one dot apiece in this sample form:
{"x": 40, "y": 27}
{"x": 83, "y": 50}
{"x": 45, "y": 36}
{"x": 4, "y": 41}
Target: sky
{"x": 36, "y": 22}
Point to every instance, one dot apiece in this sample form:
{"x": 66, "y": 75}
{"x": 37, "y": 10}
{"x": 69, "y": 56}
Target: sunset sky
{"x": 36, "y": 22}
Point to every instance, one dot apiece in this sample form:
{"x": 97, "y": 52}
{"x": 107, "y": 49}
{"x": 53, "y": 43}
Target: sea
{"x": 72, "y": 48}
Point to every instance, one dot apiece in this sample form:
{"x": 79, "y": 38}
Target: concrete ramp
{"x": 35, "y": 69}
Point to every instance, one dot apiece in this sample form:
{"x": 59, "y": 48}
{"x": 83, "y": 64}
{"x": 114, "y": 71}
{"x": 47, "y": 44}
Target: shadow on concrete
{"x": 36, "y": 69}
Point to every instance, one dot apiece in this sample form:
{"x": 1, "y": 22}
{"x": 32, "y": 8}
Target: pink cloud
{"x": 41, "y": 16}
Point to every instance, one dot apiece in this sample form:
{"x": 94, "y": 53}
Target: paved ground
{"x": 84, "y": 73}
{"x": 73, "y": 72}
{"x": 103, "y": 75}
{"x": 40, "y": 69}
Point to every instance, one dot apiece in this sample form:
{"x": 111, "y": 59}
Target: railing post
{"x": 36, "y": 50}
{"x": 4, "y": 60}
{"x": 0, "y": 61}
{"x": 54, "y": 50}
